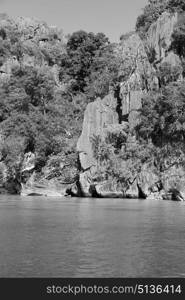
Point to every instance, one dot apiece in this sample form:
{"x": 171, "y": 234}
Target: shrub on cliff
{"x": 13, "y": 154}
{"x": 178, "y": 37}
{"x": 167, "y": 73}
{"x": 163, "y": 122}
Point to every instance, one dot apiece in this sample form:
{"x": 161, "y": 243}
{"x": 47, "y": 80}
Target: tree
{"x": 104, "y": 72}
{"x": 39, "y": 84}
{"x": 167, "y": 73}
{"x": 163, "y": 116}
{"x": 81, "y": 49}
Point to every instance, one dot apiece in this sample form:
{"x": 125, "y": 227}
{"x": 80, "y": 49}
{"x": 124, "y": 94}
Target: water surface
{"x": 70, "y": 237}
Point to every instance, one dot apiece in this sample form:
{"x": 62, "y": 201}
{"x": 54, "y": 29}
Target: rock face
{"x": 98, "y": 116}
{"x": 148, "y": 181}
{"x": 160, "y": 33}
{"x": 160, "y": 40}
{"x": 140, "y": 77}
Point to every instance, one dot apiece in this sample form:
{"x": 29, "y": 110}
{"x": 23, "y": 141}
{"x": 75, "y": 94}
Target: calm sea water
{"x": 42, "y": 237}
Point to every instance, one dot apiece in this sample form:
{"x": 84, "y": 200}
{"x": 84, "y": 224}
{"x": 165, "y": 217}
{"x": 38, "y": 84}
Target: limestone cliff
{"x": 141, "y": 77}
{"x": 116, "y": 114}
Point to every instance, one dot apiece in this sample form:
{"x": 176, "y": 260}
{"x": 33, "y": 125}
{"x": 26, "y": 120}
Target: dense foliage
{"x": 81, "y": 51}
{"x": 45, "y": 86}
{"x": 178, "y": 37}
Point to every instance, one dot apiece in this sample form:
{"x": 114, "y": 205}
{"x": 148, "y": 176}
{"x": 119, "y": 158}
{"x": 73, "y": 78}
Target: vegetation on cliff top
{"x": 153, "y": 10}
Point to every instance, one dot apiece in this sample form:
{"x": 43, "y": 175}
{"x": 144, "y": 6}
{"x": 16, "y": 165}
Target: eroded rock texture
{"x": 160, "y": 33}
{"x": 98, "y": 116}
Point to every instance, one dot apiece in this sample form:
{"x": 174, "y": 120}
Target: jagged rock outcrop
{"x": 160, "y": 33}
{"x": 99, "y": 115}
{"x": 159, "y": 40}
{"x": 140, "y": 77}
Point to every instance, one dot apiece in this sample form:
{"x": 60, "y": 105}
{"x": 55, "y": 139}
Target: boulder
{"x": 156, "y": 196}
{"x": 133, "y": 191}
{"x": 109, "y": 189}
{"x": 148, "y": 181}
{"x": 49, "y": 188}
{"x": 85, "y": 181}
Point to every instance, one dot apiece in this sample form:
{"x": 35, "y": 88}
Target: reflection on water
{"x": 41, "y": 237}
